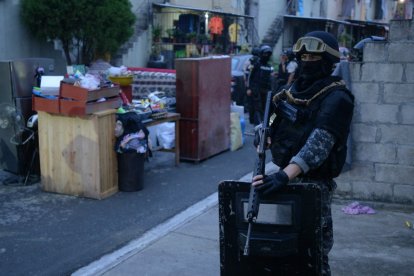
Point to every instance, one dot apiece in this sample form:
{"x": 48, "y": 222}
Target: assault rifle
{"x": 253, "y": 207}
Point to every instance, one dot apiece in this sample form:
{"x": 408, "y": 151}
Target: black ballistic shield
{"x": 287, "y": 234}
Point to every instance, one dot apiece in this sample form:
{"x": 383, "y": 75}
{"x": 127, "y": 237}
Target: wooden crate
{"x": 78, "y": 108}
{"x": 78, "y": 101}
{"x": 77, "y": 155}
{"x": 84, "y": 95}
{"x": 44, "y": 104}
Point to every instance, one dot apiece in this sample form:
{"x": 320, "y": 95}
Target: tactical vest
{"x": 291, "y": 129}
{"x": 261, "y": 74}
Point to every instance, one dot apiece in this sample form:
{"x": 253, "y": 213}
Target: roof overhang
{"x": 369, "y": 23}
{"x": 178, "y": 7}
{"x": 319, "y": 19}
{"x": 347, "y": 22}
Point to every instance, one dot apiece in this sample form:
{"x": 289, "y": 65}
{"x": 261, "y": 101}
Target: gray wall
{"x": 16, "y": 42}
{"x": 383, "y": 125}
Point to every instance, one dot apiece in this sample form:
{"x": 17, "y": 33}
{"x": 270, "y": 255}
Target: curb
{"x": 108, "y": 261}
{"x": 113, "y": 259}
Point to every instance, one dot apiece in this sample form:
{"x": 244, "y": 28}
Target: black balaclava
{"x": 314, "y": 70}
{"x": 311, "y": 71}
{"x": 264, "y": 58}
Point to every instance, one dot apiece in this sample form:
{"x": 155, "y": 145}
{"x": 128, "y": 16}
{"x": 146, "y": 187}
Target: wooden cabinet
{"x": 77, "y": 155}
{"x": 203, "y": 99}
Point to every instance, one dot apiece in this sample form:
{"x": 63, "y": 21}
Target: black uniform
{"x": 254, "y": 61}
{"x": 314, "y": 131}
{"x": 259, "y": 82}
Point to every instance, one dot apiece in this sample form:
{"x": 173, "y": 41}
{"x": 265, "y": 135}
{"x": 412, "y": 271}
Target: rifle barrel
{"x": 247, "y": 245}
{"x": 259, "y": 169}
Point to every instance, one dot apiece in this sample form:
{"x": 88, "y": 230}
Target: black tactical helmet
{"x": 265, "y": 50}
{"x": 256, "y": 51}
{"x": 318, "y": 42}
{"x": 290, "y": 55}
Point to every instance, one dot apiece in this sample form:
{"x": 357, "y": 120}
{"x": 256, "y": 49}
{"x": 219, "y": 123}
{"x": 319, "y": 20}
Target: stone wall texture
{"x": 383, "y": 123}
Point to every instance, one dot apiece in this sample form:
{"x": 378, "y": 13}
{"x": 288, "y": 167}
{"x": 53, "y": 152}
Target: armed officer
{"x": 308, "y": 143}
{"x": 259, "y": 82}
{"x": 253, "y": 62}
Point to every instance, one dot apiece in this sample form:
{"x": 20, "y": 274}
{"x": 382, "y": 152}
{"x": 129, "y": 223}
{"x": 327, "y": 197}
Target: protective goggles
{"x": 314, "y": 45}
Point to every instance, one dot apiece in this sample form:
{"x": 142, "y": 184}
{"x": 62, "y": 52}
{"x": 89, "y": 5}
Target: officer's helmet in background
{"x": 265, "y": 53}
{"x": 256, "y": 51}
{"x": 290, "y": 55}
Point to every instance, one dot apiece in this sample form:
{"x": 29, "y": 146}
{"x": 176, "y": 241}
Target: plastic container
{"x": 122, "y": 80}
{"x": 130, "y": 171}
{"x": 243, "y": 127}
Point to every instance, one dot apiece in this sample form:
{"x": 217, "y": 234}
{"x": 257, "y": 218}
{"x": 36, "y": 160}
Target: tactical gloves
{"x": 273, "y": 183}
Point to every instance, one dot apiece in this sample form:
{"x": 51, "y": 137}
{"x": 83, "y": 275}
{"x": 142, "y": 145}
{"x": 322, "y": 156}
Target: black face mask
{"x": 312, "y": 70}
{"x": 264, "y": 59}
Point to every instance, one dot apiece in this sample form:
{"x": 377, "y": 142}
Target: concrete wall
{"x": 333, "y": 8}
{"x": 138, "y": 54}
{"x": 231, "y": 6}
{"x": 383, "y": 124}
{"x": 17, "y": 42}
{"x": 268, "y": 10}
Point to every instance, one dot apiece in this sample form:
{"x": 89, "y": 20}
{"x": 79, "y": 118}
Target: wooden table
{"x": 170, "y": 117}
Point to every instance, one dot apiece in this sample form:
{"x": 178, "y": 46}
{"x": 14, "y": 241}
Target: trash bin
{"x": 130, "y": 171}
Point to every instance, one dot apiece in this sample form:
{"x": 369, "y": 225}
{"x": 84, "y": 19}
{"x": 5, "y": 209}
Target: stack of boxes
{"x": 77, "y": 101}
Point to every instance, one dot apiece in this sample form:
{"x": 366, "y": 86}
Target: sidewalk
{"x": 188, "y": 244}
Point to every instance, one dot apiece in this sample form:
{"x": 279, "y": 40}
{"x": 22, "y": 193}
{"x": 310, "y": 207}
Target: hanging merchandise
{"x": 216, "y": 25}
{"x": 234, "y": 32}
{"x": 188, "y": 23}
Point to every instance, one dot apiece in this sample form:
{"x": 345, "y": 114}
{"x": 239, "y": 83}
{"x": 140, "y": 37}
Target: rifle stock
{"x": 253, "y": 206}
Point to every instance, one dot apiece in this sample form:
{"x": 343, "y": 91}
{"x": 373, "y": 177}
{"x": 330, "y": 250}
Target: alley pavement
{"x": 171, "y": 227}
{"x": 188, "y": 244}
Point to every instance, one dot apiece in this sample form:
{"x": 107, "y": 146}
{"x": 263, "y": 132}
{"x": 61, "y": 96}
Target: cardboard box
{"x": 45, "y": 104}
{"x": 79, "y": 108}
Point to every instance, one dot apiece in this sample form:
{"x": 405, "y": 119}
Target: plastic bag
{"x": 235, "y": 132}
{"x": 166, "y": 135}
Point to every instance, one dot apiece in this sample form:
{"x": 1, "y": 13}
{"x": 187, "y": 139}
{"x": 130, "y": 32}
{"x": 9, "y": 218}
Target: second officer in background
{"x": 259, "y": 82}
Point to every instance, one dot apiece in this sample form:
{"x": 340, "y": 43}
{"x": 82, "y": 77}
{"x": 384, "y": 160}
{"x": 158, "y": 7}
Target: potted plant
{"x": 170, "y": 34}
{"x": 203, "y": 39}
{"x": 179, "y": 36}
{"x": 156, "y": 33}
{"x": 191, "y": 37}
{"x": 155, "y": 52}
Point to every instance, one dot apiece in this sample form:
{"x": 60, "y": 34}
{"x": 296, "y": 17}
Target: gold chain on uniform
{"x": 291, "y": 99}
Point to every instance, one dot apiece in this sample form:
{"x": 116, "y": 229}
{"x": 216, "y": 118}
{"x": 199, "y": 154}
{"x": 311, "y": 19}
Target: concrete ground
{"x": 188, "y": 244}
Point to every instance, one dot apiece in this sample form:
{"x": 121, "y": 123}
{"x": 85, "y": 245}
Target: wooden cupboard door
{"x": 189, "y": 140}
{"x": 203, "y": 100}
{"x": 187, "y": 88}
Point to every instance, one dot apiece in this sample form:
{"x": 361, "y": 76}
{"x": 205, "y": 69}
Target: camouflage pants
{"x": 327, "y": 188}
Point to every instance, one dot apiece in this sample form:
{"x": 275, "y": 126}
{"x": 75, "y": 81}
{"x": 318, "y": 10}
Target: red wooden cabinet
{"x": 203, "y": 99}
